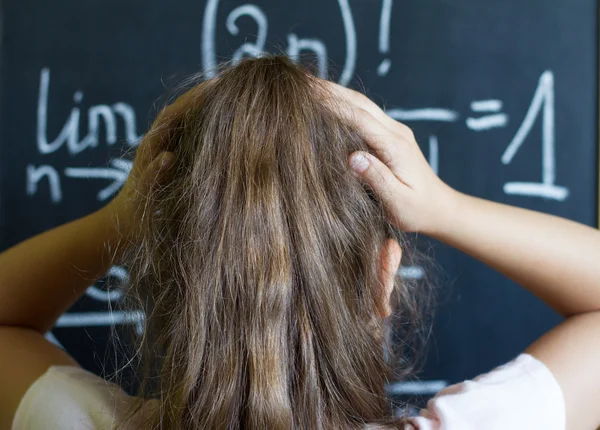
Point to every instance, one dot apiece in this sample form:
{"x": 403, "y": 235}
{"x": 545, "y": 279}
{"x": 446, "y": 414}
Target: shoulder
{"x": 520, "y": 394}
{"x": 70, "y": 397}
{"x": 26, "y": 355}
{"x": 42, "y": 387}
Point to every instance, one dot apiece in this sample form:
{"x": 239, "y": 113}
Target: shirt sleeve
{"x": 70, "y": 398}
{"x": 522, "y": 394}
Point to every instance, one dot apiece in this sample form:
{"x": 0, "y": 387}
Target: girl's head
{"x": 265, "y": 267}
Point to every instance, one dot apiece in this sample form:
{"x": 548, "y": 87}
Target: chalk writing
{"x": 542, "y": 103}
{"x": 423, "y": 114}
{"x": 69, "y": 134}
{"x": 251, "y": 49}
{"x": 384, "y": 36}
{"x": 118, "y": 174}
{"x": 295, "y": 43}
{"x": 416, "y": 387}
{"x": 35, "y": 174}
{"x": 543, "y": 98}
{"x": 492, "y": 105}
{"x": 98, "y": 319}
{"x": 96, "y": 293}
{"x": 434, "y": 157}
{"x": 487, "y": 122}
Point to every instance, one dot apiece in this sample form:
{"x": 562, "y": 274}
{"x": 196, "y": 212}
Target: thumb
{"x": 379, "y": 178}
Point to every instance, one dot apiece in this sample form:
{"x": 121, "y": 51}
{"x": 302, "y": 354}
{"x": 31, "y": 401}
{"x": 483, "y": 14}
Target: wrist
{"x": 116, "y": 232}
{"x": 444, "y": 211}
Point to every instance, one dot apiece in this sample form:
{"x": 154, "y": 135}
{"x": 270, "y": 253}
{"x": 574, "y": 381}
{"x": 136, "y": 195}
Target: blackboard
{"x": 502, "y": 96}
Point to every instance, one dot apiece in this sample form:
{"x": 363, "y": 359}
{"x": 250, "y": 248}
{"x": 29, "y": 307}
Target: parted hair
{"x": 258, "y": 265}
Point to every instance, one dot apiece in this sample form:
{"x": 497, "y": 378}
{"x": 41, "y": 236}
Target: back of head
{"x": 258, "y": 264}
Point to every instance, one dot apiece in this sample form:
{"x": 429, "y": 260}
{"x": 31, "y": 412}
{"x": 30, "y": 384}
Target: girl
{"x": 261, "y": 223}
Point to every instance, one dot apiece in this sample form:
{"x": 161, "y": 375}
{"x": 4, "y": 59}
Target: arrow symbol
{"x": 118, "y": 173}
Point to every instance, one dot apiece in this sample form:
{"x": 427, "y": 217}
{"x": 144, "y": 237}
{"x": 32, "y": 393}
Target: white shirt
{"x": 522, "y": 394}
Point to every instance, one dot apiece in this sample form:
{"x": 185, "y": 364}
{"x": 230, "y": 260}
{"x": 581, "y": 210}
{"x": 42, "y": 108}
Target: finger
{"x": 378, "y": 137}
{"x": 155, "y": 139}
{"x": 158, "y": 169}
{"x": 381, "y": 132}
{"x": 381, "y": 180}
{"x": 185, "y": 100}
{"x": 361, "y": 101}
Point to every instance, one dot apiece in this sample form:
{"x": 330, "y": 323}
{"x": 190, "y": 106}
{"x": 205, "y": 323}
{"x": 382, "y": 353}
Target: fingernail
{"x": 359, "y": 163}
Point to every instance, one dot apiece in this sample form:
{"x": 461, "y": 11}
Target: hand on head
{"x": 151, "y": 166}
{"x": 412, "y": 194}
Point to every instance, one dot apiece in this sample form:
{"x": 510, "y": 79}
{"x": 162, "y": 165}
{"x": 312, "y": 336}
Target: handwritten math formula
{"x": 485, "y": 115}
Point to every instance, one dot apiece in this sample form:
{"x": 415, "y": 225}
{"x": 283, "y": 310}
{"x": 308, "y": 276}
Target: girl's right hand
{"x": 413, "y": 196}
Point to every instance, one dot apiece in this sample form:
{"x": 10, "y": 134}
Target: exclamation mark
{"x": 384, "y": 36}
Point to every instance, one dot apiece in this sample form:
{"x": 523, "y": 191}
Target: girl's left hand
{"x": 150, "y": 167}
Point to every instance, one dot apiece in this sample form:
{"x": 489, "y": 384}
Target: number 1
{"x": 543, "y": 97}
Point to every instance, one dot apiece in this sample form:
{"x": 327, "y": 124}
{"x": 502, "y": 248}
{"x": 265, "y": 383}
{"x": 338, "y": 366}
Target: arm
{"x": 43, "y": 276}
{"x": 39, "y": 279}
{"x": 556, "y": 259}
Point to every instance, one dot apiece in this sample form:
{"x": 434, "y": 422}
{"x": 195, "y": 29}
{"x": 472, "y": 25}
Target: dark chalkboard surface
{"x": 502, "y": 96}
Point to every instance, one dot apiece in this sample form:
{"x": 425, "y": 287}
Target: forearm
{"x": 556, "y": 259}
{"x": 43, "y": 276}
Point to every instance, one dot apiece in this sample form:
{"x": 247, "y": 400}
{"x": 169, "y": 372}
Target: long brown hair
{"x": 258, "y": 265}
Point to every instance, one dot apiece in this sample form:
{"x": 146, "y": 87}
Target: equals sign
{"x": 486, "y": 122}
